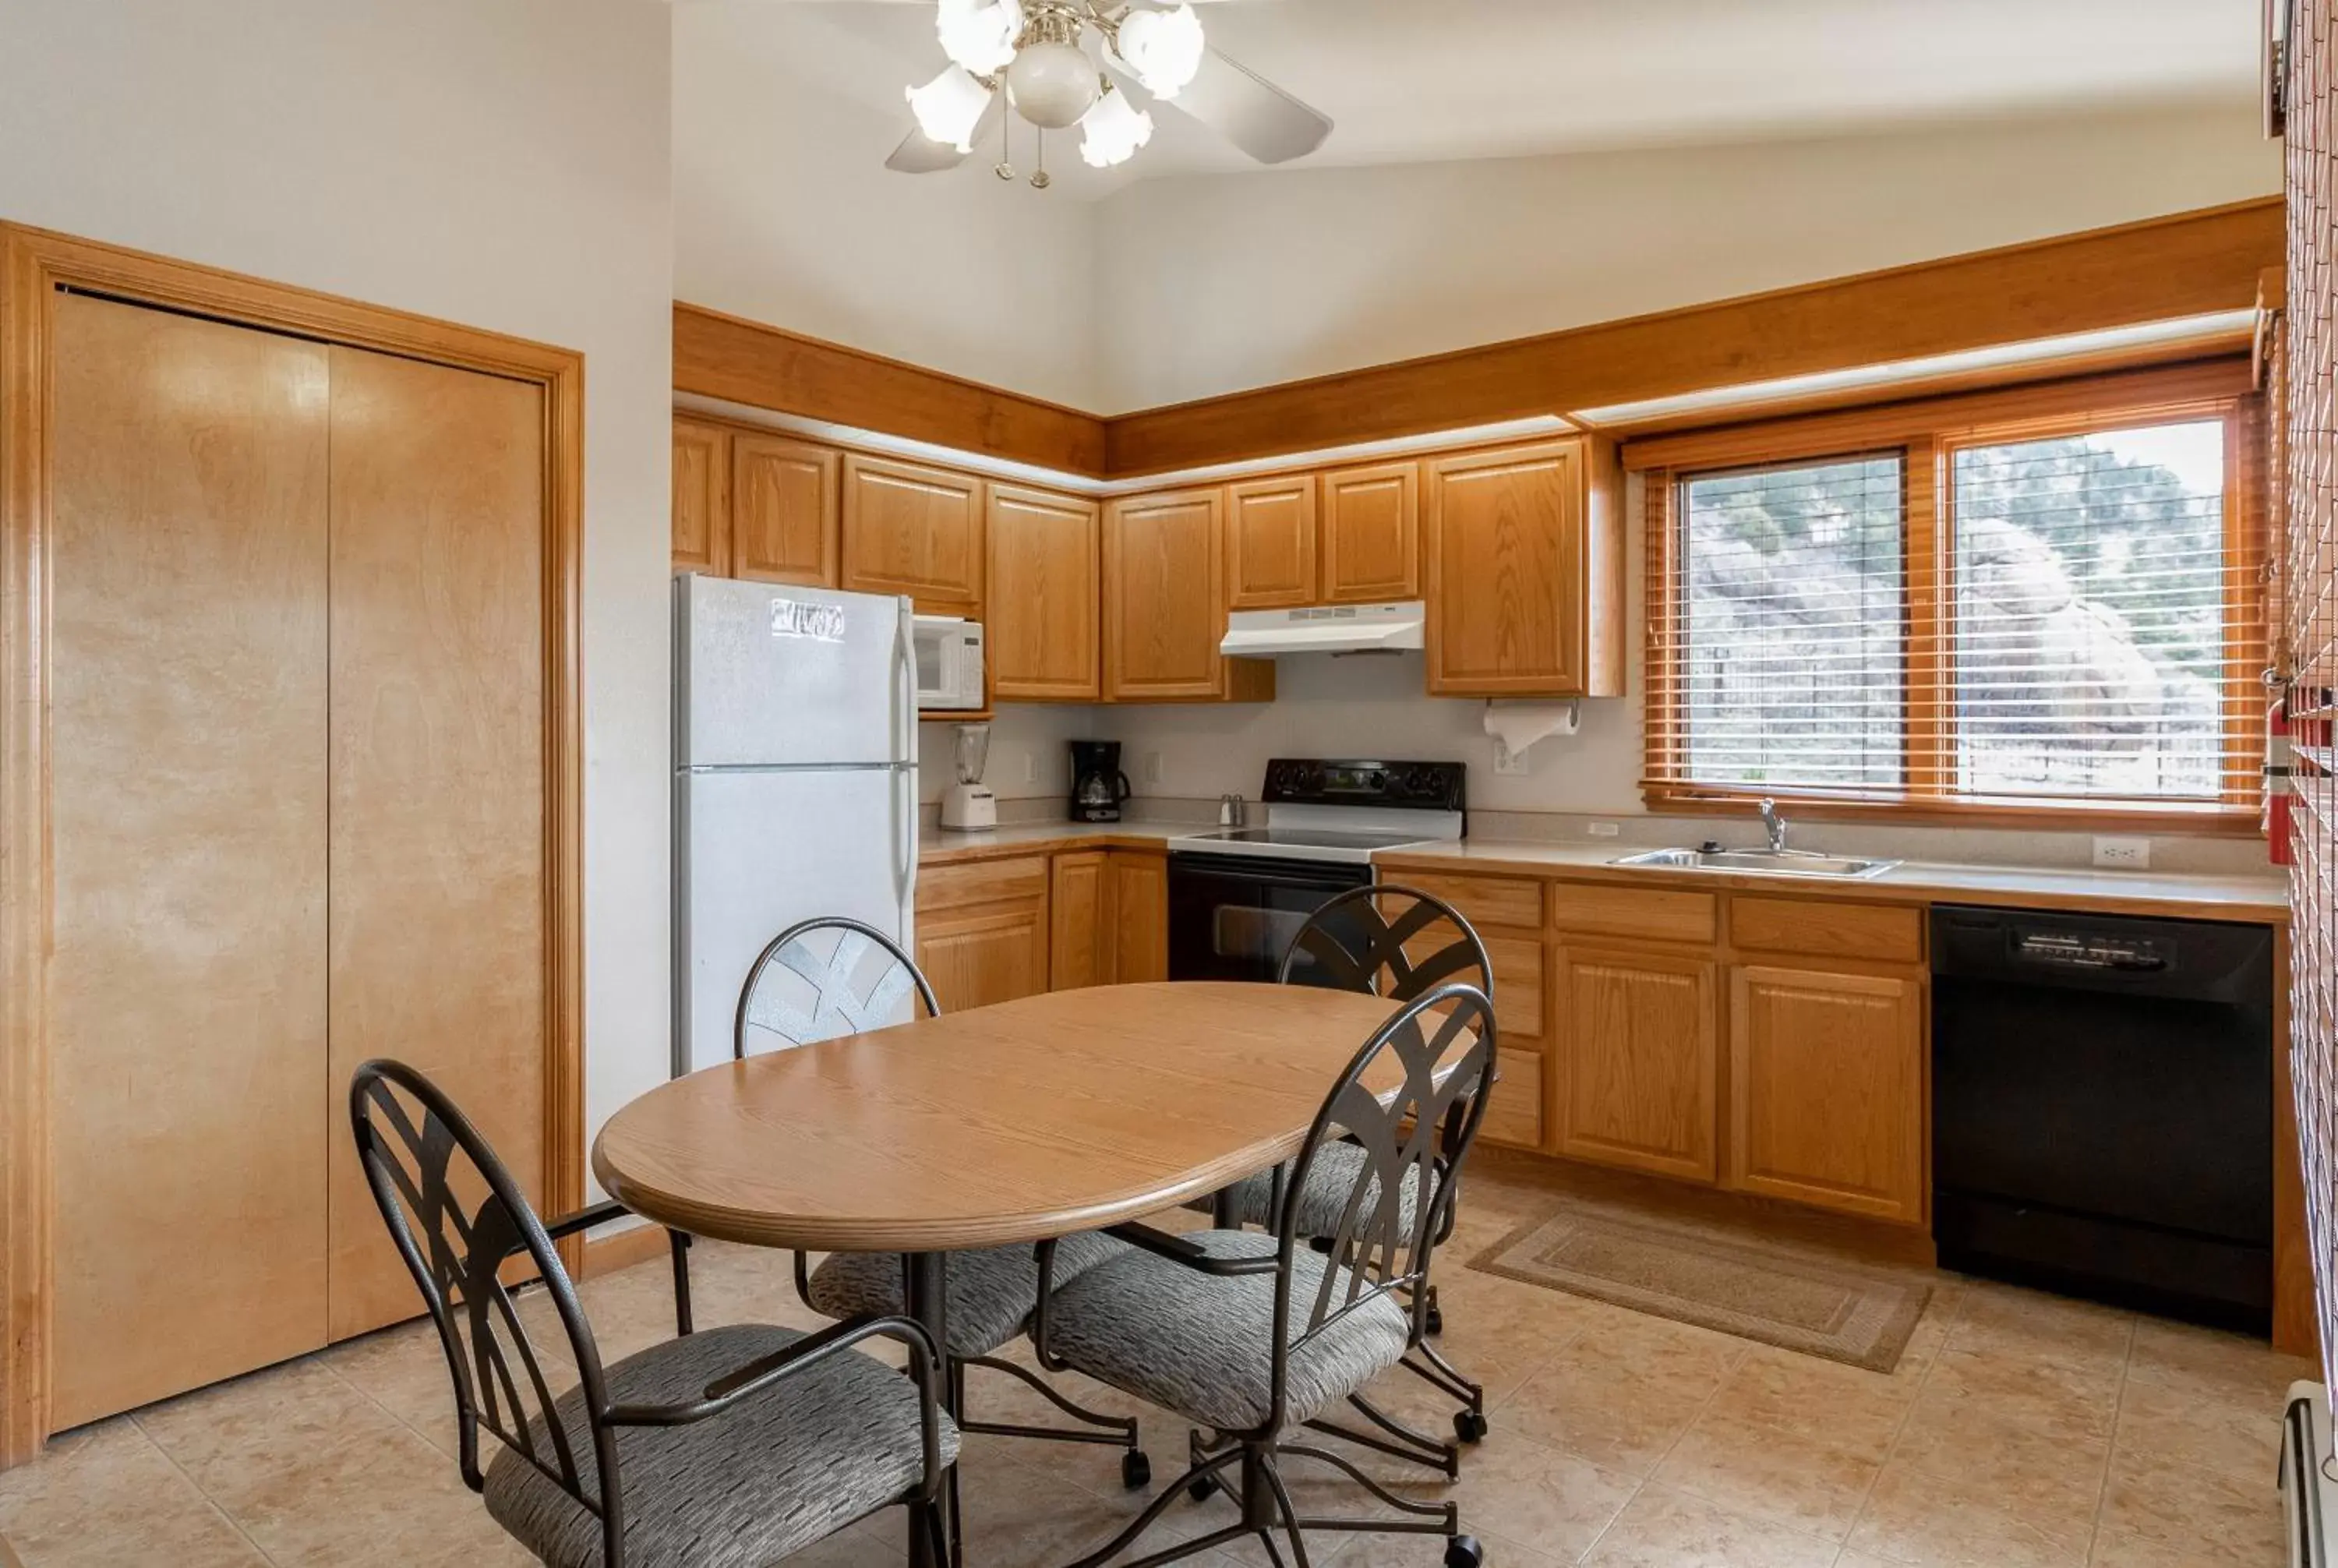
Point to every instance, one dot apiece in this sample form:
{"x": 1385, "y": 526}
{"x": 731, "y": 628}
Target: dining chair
{"x": 1254, "y": 1335}
{"x": 730, "y": 1446}
{"x": 827, "y": 977}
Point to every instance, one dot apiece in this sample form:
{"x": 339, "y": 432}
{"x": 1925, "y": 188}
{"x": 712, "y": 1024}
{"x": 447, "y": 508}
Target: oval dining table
{"x": 1017, "y": 1123}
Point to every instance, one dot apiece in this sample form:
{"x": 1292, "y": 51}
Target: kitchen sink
{"x": 1762, "y": 862}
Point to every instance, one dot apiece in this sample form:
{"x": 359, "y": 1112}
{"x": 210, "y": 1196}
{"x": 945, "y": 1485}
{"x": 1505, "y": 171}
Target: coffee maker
{"x": 1098, "y": 785}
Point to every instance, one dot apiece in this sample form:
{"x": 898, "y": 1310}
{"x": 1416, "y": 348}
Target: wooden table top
{"x": 1010, "y": 1124}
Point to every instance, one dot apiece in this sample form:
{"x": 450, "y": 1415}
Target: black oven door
{"x": 1233, "y": 918}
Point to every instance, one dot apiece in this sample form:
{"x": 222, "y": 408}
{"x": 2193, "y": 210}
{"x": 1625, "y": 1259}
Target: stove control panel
{"x": 1423, "y": 786}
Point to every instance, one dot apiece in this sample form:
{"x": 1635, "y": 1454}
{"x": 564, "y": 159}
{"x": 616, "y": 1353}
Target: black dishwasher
{"x": 2102, "y": 1108}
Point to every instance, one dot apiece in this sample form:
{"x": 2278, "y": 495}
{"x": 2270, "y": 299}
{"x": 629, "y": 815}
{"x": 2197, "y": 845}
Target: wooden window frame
{"x": 1925, "y": 434}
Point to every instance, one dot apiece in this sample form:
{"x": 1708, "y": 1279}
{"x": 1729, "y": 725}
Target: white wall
{"x": 1211, "y": 283}
{"x": 501, "y": 163}
{"x": 1029, "y": 758}
{"x": 784, "y": 211}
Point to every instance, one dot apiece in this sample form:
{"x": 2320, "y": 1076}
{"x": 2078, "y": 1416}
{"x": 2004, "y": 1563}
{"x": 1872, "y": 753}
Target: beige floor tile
{"x": 1664, "y": 1528}
{"x": 2162, "y": 1516}
{"x": 233, "y": 1434}
{"x": 2031, "y": 1326}
{"x": 1933, "y": 1521}
{"x": 1801, "y": 1394}
{"x": 2202, "y": 1361}
{"x": 105, "y": 1496}
{"x": 1994, "y": 1392}
{"x": 403, "y": 1370}
{"x": 1619, "y": 1395}
{"x": 1800, "y": 1478}
{"x": 389, "y": 1499}
{"x": 2164, "y": 1425}
{"x": 2038, "y": 1455}
{"x": 1520, "y": 1490}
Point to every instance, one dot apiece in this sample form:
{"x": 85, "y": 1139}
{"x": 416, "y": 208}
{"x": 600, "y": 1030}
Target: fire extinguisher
{"x": 2278, "y": 796}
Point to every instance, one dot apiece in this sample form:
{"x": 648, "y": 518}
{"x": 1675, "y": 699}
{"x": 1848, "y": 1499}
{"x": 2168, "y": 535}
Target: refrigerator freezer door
{"x": 766, "y": 674}
{"x": 757, "y": 851}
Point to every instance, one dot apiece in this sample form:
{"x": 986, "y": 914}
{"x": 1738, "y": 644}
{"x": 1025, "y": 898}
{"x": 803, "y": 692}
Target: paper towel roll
{"x": 1519, "y": 725}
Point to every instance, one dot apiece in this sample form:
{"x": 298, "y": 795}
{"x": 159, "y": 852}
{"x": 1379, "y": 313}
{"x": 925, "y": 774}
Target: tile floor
{"x": 2019, "y": 1431}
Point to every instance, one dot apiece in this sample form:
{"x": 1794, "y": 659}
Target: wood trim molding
{"x": 34, "y": 263}
{"x": 743, "y": 361}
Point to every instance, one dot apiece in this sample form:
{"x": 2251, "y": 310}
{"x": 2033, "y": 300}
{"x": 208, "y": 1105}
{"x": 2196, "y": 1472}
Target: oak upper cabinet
{"x": 1525, "y": 572}
{"x": 914, "y": 530}
{"x": 1826, "y": 1094}
{"x": 1638, "y": 1059}
{"x": 786, "y": 515}
{"x": 702, "y": 497}
{"x": 1139, "y": 885}
{"x": 1271, "y": 543}
{"x": 1164, "y": 607}
{"x": 1043, "y": 628}
{"x": 983, "y": 931}
{"x": 1371, "y": 533}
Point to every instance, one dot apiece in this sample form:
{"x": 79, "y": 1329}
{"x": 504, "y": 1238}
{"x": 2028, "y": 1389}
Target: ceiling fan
{"x": 1097, "y": 65}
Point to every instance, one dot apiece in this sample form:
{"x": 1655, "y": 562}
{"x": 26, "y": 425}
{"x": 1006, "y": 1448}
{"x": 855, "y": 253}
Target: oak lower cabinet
{"x": 1826, "y": 1102}
{"x": 1080, "y": 947}
{"x": 983, "y": 934}
{"x": 1639, "y": 1056}
{"x": 1139, "y": 914}
{"x": 1164, "y": 603}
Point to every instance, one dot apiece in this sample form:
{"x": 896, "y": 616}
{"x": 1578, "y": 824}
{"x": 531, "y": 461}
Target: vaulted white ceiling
{"x": 1412, "y": 80}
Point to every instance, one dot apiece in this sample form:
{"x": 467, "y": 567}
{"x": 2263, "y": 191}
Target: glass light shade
{"x": 949, "y": 106}
{"x": 1163, "y": 48}
{"x": 1052, "y": 85}
{"x": 978, "y": 35}
{"x": 1112, "y": 131}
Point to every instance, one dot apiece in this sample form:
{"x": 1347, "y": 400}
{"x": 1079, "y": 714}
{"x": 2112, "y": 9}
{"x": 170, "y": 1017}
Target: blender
{"x": 968, "y": 806}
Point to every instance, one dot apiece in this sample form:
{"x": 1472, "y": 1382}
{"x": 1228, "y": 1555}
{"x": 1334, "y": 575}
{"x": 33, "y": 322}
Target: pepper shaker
{"x": 1232, "y": 811}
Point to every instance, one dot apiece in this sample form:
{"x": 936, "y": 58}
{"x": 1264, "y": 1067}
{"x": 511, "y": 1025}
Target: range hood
{"x": 1324, "y": 629}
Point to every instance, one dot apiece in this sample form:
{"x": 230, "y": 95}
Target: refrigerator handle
{"x": 905, "y": 768}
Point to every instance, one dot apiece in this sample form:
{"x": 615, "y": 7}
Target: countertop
{"x": 2256, "y": 900}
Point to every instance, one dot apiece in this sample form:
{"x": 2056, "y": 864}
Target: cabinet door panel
{"x": 1271, "y": 542}
{"x": 1514, "y": 1115}
{"x": 1042, "y": 631}
{"x": 1371, "y": 533}
{"x": 1164, "y": 611}
{"x": 1080, "y": 915}
{"x": 909, "y": 529}
{"x": 1140, "y": 917}
{"x": 1826, "y": 1090}
{"x": 785, "y": 513}
{"x": 702, "y": 498}
{"x": 977, "y": 957}
{"x": 1506, "y": 572}
{"x": 1638, "y": 1060}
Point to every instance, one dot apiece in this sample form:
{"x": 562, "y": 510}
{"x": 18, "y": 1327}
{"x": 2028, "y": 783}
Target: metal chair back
{"x": 458, "y": 1216}
{"x": 1433, "y": 1063}
{"x": 805, "y": 986}
{"x": 1359, "y": 941}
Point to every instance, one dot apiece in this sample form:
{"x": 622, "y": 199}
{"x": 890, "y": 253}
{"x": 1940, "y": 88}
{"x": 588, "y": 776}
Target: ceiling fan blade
{"x": 1250, "y": 111}
{"x": 919, "y": 154}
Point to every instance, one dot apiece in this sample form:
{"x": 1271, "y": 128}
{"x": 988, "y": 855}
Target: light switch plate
{"x": 1603, "y": 829}
{"x": 2123, "y": 854}
{"x": 1030, "y": 768}
{"x": 1153, "y": 767}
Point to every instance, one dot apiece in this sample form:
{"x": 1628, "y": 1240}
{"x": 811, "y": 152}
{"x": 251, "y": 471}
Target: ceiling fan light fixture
{"x": 949, "y": 106}
{"x": 979, "y": 36}
{"x": 1052, "y": 83}
{"x": 1163, "y": 48}
{"x": 1112, "y": 131}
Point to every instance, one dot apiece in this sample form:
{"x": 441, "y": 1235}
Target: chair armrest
{"x": 1193, "y": 1254}
{"x": 586, "y": 1219}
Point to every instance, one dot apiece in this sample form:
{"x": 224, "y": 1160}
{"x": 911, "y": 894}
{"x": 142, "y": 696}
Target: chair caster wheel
{"x": 1469, "y": 1425}
{"x": 1463, "y": 1552}
{"x": 1436, "y": 1319}
{"x": 1201, "y": 1490}
{"x": 1135, "y": 1469}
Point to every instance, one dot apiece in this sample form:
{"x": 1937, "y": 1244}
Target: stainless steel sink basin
{"x": 1762, "y": 862}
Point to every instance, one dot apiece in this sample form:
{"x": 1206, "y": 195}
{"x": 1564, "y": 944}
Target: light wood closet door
{"x": 187, "y": 775}
{"x": 438, "y": 832}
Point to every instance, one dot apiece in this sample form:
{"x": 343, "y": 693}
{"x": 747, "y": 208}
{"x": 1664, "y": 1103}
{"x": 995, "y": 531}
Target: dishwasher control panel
{"x": 2089, "y": 950}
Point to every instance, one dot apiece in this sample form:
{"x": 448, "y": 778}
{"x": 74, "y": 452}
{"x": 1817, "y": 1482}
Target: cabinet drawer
{"x": 1604, "y": 911}
{"x": 982, "y": 882}
{"x": 1893, "y": 933}
{"x": 1482, "y": 901}
{"x": 1514, "y": 1115}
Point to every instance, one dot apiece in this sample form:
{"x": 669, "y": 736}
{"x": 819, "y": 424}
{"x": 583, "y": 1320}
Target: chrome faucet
{"x": 1775, "y": 824}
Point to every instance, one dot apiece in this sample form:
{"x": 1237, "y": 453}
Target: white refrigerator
{"x": 795, "y": 782}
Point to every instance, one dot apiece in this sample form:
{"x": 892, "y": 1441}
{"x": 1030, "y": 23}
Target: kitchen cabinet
{"x": 916, "y": 530}
{"x": 1044, "y": 633}
{"x": 1139, "y": 907}
{"x": 786, "y": 515}
{"x": 1506, "y": 913}
{"x": 1826, "y": 1100}
{"x": 1639, "y": 1057}
{"x": 983, "y": 934}
{"x": 1371, "y": 533}
{"x": 702, "y": 497}
{"x": 1165, "y": 608}
{"x": 1080, "y": 919}
{"x": 1271, "y": 542}
{"x": 1525, "y": 570}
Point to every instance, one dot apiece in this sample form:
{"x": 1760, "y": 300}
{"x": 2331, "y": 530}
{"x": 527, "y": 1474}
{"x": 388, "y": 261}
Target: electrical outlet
{"x": 1603, "y": 829}
{"x": 1153, "y": 767}
{"x": 2123, "y": 854}
{"x": 1508, "y": 761}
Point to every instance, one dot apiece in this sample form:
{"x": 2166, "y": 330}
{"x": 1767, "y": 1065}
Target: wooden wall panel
{"x": 438, "y": 868}
{"x": 190, "y": 1102}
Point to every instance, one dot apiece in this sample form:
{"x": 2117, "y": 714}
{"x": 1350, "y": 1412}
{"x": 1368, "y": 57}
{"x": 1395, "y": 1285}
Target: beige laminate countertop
{"x": 944, "y": 847}
{"x": 2261, "y": 900}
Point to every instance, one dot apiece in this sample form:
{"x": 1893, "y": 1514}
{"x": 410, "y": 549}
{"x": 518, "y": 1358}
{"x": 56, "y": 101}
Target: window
{"x": 1927, "y": 607}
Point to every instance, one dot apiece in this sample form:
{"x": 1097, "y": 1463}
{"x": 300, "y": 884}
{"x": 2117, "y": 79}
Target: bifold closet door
{"x": 436, "y": 869}
{"x": 187, "y": 723}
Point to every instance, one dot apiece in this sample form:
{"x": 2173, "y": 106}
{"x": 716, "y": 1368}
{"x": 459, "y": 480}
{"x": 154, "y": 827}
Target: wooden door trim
{"x": 34, "y": 264}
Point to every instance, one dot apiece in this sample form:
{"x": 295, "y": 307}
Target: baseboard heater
{"x": 2308, "y": 1495}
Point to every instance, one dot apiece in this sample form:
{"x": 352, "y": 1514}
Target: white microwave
{"x": 949, "y": 663}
